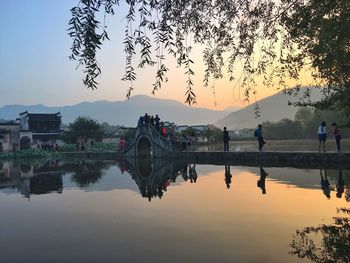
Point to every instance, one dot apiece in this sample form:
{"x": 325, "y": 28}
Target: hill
{"x": 273, "y": 109}
{"x": 124, "y": 113}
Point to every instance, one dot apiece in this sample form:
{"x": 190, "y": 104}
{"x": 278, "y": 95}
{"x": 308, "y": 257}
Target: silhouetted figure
{"x": 152, "y": 120}
{"x": 322, "y": 136}
{"x": 325, "y": 184}
{"x": 228, "y": 176}
{"x": 337, "y": 135}
{"x": 184, "y": 173}
{"x": 259, "y": 136}
{"x": 340, "y": 184}
{"x": 183, "y": 142}
{"x": 189, "y": 142}
{"x": 146, "y": 118}
{"x": 261, "y": 181}
{"x": 226, "y": 139}
{"x": 192, "y": 173}
{"x": 141, "y": 120}
{"x": 157, "y": 122}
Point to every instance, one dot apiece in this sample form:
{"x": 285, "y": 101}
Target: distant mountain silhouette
{"x": 273, "y": 109}
{"x": 123, "y": 112}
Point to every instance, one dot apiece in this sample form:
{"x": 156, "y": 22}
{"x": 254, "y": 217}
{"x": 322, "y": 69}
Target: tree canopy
{"x": 274, "y": 39}
{"x": 84, "y": 128}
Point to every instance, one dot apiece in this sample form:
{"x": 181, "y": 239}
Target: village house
{"x": 39, "y": 128}
{"x": 9, "y": 136}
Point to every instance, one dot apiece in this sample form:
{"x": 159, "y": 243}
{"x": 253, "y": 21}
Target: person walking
{"x": 157, "y": 120}
{"x": 259, "y": 136}
{"x": 322, "y": 136}
{"x": 226, "y": 139}
{"x": 337, "y": 135}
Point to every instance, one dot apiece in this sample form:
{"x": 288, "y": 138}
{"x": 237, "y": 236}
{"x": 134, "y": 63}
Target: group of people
{"x": 321, "y": 133}
{"x": 154, "y": 121}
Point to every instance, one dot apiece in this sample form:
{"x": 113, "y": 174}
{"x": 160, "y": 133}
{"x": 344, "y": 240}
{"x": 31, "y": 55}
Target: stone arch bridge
{"x": 147, "y": 141}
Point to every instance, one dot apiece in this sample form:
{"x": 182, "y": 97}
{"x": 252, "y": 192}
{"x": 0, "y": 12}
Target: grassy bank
{"x": 97, "y": 147}
{"x": 30, "y": 154}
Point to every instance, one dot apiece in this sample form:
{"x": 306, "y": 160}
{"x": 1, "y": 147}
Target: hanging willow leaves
{"x": 268, "y": 38}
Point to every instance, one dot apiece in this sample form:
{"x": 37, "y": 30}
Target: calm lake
{"x": 162, "y": 211}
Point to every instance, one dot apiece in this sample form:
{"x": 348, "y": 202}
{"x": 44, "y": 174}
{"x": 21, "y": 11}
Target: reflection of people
{"x": 226, "y": 139}
{"x": 325, "y": 184}
{"x": 340, "y": 184}
{"x": 184, "y": 173}
{"x": 261, "y": 181}
{"x": 228, "y": 176}
{"x": 192, "y": 173}
{"x": 259, "y": 136}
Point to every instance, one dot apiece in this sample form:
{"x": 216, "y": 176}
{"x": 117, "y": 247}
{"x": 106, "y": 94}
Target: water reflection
{"x": 152, "y": 177}
{"x": 325, "y": 185}
{"x": 218, "y": 225}
{"x": 325, "y": 243}
{"x": 261, "y": 181}
{"x": 43, "y": 178}
{"x": 340, "y": 184}
{"x": 228, "y": 176}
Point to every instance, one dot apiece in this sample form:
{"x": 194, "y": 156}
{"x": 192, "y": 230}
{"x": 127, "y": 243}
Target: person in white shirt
{"x": 322, "y": 136}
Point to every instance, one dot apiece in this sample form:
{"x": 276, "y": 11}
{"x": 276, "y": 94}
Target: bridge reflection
{"x": 151, "y": 176}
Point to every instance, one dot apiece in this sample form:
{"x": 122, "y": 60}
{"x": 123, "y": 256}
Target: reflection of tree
{"x": 86, "y": 173}
{"x": 325, "y": 243}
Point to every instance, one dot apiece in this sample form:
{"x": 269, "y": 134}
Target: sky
{"x": 35, "y": 69}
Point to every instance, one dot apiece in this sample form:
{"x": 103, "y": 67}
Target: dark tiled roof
{"x": 44, "y": 117}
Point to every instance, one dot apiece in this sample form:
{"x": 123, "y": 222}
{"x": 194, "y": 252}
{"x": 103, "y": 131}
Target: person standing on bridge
{"x": 157, "y": 122}
{"x": 322, "y": 136}
{"x": 226, "y": 139}
{"x": 259, "y": 136}
{"x": 337, "y": 135}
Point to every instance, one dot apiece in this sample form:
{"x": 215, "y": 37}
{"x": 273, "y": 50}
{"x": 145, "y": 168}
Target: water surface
{"x": 140, "y": 211}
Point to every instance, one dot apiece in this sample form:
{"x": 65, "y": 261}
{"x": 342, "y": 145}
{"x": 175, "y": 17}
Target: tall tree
{"x": 85, "y": 128}
{"x": 287, "y": 35}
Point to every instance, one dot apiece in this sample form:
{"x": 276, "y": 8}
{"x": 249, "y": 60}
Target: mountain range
{"x": 127, "y": 112}
{"x": 273, "y": 109}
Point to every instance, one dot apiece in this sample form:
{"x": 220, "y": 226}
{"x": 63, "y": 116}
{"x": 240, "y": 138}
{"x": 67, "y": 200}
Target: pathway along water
{"x": 270, "y": 159}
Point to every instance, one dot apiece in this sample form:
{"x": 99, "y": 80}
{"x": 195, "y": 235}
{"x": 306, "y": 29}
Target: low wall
{"x": 267, "y": 159}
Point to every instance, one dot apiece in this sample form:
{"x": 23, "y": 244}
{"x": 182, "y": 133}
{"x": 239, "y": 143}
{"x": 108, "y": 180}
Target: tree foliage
{"x": 84, "y": 128}
{"x": 334, "y": 244}
{"x": 274, "y": 39}
{"x": 305, "y": 124}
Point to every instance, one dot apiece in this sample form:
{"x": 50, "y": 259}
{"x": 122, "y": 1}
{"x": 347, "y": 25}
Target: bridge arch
{"x": 147, "y": 141}
{"x": 144, "y": 146}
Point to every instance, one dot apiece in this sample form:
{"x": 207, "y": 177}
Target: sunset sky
{"x": 35, "y": 69}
